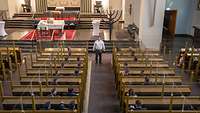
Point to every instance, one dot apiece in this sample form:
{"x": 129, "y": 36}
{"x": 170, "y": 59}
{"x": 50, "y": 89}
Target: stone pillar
{"x": 151, "y": 22}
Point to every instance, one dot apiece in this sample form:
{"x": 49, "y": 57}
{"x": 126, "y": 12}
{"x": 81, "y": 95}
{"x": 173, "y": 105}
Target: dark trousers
{"x": 98, "y": 56}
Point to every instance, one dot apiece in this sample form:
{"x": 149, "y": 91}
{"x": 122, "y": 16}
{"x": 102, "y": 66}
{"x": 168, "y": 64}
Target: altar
{"x": 51, "y": 24}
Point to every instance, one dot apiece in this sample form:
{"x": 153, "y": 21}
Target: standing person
{"x": 98, "y": 47}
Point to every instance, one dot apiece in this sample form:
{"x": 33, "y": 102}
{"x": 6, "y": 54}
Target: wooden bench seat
{"x": 159, "y": 103}
{"x": 148, "y": 71}
{"x": 142, "y": 65}
{"x": 14, "y": 102}
{"x": 47, "y": 65}
{"x": 44, "y": 72}
{"x": 164, "y": 111}
{"x": 38, "y": 111}
{"x": 47, "y": 59}
{"x": 128, "y": 59}
{"x": 140, "y": 80}
{"x": 156, "y": 90}
{"x": 65, "y": 49}
{"x": 62, "y": 90}
{"x": 139, "y": 54}
{"x": 61, "y": 80}
{"x": 64, "y": 54}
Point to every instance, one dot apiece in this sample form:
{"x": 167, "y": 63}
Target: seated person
{"x": 69, "y": 51}
{"x": 142, "y": 73}
{"x": 57, "y": 73}
{"x": 133, "y": 53}
{"x": 78, "y": 62}
{"x": 136, "y": 106}
{"x": 47, "y": 105}
{"x": 131, "y": 92}
{"x": 135, "y": 59}
{"x": 63, "y": 64}
{"x": 76, "y": 72}
{"x": 126, "y": 70}
{"x": 71, "y": 105}
{"x": 71, "y": 92}
{"x": 61, "y": 106}
{"x": 55, "y": 80}
{"x": 53, "y": 92}
{"x": 66, "y": 58}
{"x": 146, "y": 80}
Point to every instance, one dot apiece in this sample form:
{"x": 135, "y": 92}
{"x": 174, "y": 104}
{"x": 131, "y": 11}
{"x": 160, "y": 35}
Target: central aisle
{"x": 103, "y": 95}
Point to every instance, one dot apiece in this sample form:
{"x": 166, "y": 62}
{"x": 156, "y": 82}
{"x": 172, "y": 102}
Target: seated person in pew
{"x": 57, "y": 73}
{"x": 69, "y": 51}
{"x": 61, "y": 106}
{"x": 78, "y": 62}
{"x": 47, "y": 105}
{"x": 131, "y": 92}
{"x": 62, "y": 64}
{"x": 126, "y": 70}
{"x": 136, "y": 106}
{"x": 146, "y": 80}
{"x": 71, "y": 92}
{"x": 55, "y": 80}
{"x": 135, "y": 59}
{"x": 66, "y": 58}
{"x": 53, "y": 92}
{"x": 142, "y": 72}
{"x": 76, "y": 72}
{"x": 71, "y": 106}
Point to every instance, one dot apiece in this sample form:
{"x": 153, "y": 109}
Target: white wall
{"x": 3, "y": 5}
{"x": 149, "y": 34}
{"x": 136, "y": 12}
{"x": 116, "y": 4}
{"x": 11, "y": 7}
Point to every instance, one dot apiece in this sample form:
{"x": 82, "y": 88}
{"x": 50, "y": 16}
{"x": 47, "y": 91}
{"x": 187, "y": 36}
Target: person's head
{"x": 146, "y": 79}
{"x": 142, "y": 72}
{"x": 76, "y": 72}
{"x": 131, "y": 91}
{"x": 135, "y": 58}
{"x": 78, "y": 58}
{"x": 138, "y": 102}
{"x": 125, "y": 64}
{"x": 98, "y": 38}
{"x": 70, "y": 90}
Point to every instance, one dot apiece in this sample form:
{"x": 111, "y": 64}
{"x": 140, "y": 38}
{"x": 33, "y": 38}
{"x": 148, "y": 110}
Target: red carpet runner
{"x": 50, "y": 35}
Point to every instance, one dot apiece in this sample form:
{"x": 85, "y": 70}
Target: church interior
{"x": 99, "y": 56}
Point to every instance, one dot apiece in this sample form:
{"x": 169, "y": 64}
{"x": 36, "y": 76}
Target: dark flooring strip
{"x": 103, "y": 96}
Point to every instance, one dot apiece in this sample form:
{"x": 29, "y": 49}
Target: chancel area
{"x": 99, "y": 56}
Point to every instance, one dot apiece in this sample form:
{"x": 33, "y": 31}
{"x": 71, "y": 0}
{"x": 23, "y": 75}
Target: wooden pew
{"x": 153, "y": 80}
{"x": 36, "y": 102}
{"x": 46, "y": 59}
{"x": 164, "y": 103}
{"x": 148, "y": 71}
{"x": 164, "y": 111}
{"x": 142, "y": 65}
{"x": 13, "y": 53}
{"x": 61, "y": 80}
{"x": 43, "y": 90}
{"x": 130, "y": 59}
{"x": 38, "y": 111}
{"x": 66, "y": 65}
{"x": 44, "y": 72}
{"x": 157, "y": 90}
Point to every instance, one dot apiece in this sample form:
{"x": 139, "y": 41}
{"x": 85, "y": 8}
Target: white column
{"x": 150, "y": 28}
{"x": 33, "y": 6}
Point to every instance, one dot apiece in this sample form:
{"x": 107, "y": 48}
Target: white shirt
{"x": 98, "y": 45}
